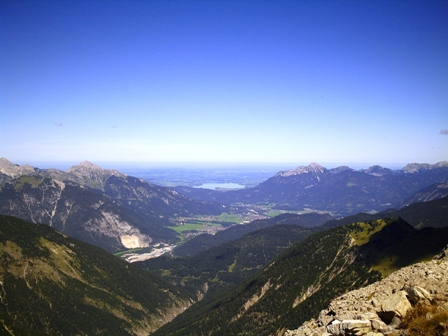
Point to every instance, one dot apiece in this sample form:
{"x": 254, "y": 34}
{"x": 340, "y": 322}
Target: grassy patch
{"x": 34, "y": 181}
{"x": 231, "y": 267}
{"x": 364, "y": 230}
{"x": 117, "y": 254}
{"x": 201, "y": 222}
{"x": 64, "y": 259}
{"x": 385, "y": 265}
{"x": 231, "y": 218}
{"x": 187, "y": 227}
{"x": 274, "y": 213}
{"x": 388, "y": 264}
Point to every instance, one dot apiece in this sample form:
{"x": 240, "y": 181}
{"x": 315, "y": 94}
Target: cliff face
{"x": 99, "y": 206}
{"x": 75, "y": 211}
{"x": 387, "y": 307}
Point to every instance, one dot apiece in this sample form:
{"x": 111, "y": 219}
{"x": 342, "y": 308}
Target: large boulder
{"x": 418, "y": 294}
{"x": 396, "y": 306}
{"x": 349, "y": 327}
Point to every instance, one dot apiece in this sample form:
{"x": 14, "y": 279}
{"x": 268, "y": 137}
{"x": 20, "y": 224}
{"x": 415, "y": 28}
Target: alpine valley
{"x": 99, "y": 206}
{"x": 299, "y": 256}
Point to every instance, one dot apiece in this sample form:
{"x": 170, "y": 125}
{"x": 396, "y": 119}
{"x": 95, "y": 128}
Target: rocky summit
{"x": 384, "y": 307}
{"x": 9, "y": 170}
{"x": 313, "y": 168}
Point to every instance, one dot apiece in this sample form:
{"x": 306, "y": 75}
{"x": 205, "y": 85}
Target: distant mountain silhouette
{"x": 340, "y": 191}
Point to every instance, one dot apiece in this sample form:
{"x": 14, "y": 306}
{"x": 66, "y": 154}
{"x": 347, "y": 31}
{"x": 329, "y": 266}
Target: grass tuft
{"x": 425, "y": 320}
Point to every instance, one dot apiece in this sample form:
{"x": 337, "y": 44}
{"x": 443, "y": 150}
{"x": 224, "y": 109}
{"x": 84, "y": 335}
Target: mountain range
{"x": 53, "y": 284}
{"x": 99, "y": 206}
{"x": 260, "y": 278}
{"x": 340, "y": 191}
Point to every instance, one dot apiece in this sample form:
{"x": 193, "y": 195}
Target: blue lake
{"x": 214, "y": 186}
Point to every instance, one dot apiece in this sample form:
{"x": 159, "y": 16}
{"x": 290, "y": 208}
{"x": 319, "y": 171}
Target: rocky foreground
{"x": 385, "y": 307}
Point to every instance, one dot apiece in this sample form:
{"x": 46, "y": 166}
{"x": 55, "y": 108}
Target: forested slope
{"x": 55, "y": 285}
{"x": 302, "y": 280}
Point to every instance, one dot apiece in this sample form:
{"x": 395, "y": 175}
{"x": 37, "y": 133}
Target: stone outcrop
{"x": 379, "y": 309}
{"x": 314, "y": 168}
{"x": 418, "y": 167}
{"x": 9, "y": 170}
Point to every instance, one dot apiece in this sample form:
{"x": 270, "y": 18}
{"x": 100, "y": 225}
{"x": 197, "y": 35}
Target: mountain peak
{"x": 93, "y": 172}
{"x": 85, "y": 165}
{"x": 312, "y": 168}
{"x": 418, "y": 167}
{"x": 89, "y": 164}
{"x": 340, "y": 169}
{"x": 4, "y": 163}
{"x": 13, "y": 170}
{"x": 377, "y": 171}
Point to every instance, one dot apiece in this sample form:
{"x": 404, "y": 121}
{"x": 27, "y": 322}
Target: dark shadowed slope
{"x": 206, "y": 241}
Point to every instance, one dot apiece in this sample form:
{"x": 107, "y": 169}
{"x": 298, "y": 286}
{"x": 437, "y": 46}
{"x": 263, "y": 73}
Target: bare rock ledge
{"x": 379, "y": 308}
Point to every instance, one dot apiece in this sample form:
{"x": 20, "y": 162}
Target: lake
{"x": 214, "y": 186}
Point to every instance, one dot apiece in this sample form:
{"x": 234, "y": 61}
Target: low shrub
{"x": 425, "y": 320}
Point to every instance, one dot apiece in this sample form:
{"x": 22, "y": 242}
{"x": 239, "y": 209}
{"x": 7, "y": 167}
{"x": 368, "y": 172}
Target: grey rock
{"x": 396, "y": 305}
{"x": 384, "y": 303}
{"x": 417, "y": 294}
{"x": 349, "y": 327}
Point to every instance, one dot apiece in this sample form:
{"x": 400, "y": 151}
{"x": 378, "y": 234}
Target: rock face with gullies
{"x": 434, "y": 191}
{"x": 100, "y": 206}
{"x": 379, "y": 308}
{"x": 75, "y": 211}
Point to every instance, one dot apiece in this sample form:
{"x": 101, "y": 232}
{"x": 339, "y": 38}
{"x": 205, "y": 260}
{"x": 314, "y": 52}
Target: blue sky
{"x": 224, "y": 81}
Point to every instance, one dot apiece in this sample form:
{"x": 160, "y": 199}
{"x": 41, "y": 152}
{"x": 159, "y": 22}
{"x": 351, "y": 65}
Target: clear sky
{"x": 224, "y": 81}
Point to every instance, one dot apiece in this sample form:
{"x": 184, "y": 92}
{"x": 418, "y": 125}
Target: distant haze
{"x": 270, "y": 166}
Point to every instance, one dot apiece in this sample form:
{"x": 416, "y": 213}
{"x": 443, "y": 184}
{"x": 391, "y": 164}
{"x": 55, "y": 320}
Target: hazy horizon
{"x": 210, "y": 165}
